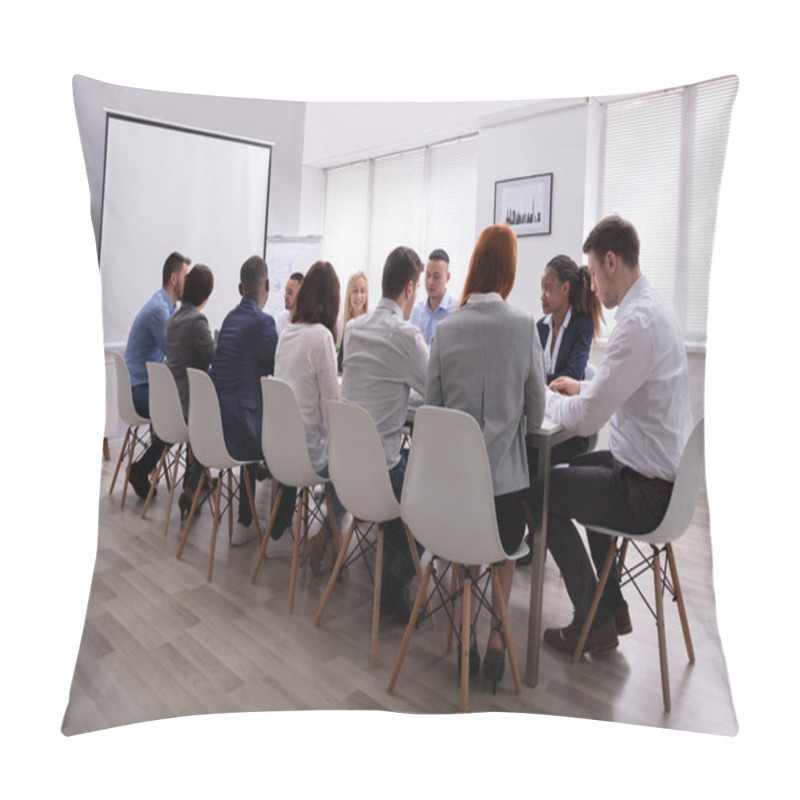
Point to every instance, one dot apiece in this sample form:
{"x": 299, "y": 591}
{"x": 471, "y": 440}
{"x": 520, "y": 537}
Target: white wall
{"x": 553, "y": 141}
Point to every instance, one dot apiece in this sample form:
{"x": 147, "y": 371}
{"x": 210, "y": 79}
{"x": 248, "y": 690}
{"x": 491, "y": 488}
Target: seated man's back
{"x": 385, "y": 357}
{"x": 245, "y": 351}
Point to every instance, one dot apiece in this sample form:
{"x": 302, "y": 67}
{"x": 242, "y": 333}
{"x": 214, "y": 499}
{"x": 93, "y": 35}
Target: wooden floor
{"x": 159, "y": 641}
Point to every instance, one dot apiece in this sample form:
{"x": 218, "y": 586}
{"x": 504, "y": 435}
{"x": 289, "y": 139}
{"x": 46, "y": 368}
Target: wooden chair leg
{"x": 412, "y": 546}
{"x": 215, "y": 527}
{"x": 455, "y": 576}
{"x": 497, "y": 596}
{"x": 335, "y": 574}
{"x": 106, "y": 451}
{"x": 296, "y": 549}
{"x": 172, "y": 488}
{"x": 466, "y": 598}
{"x": 598, "y": 593}
{"x": 423, "y": 588}
{"x": 376, "y": 599}
{"x": 131, "y": 448}
{"x": 262, "y": 552}
{"x": 192, "y": 510}
{"x": 152, "y": 491}
{"x": 230, "y": 503}
{"x": 662, "y": 637}
{"x": 119, "y": 460}
{"x": 336, "y": 536}
{"x": 673, "y": 571}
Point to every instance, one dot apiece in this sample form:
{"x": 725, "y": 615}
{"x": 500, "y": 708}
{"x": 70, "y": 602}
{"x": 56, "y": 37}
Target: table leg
{"x": 538, "y": 530}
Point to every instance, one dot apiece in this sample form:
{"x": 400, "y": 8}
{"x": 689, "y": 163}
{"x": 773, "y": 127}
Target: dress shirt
{"x": 427, "y": 320}
{"x": 147, "y": 340}
{"x": 282, "y": 320}
{"x": 189, "y": 344}
{"x": 551, "y": 360}
{"x": 486, "y": 360}
{"x": 306, "y": 359}
{"x": 641, "y": 385}
{"x": 385, "y": 357}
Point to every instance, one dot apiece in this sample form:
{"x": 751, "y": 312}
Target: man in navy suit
{"x": 245, "y": 352}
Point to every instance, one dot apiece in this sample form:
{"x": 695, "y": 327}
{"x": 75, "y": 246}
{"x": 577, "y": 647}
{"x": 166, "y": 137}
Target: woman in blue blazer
{"x": 572, "y": 318}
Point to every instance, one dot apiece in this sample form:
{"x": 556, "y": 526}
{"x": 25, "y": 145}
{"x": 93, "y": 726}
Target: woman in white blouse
{"x": 305, "y": 358}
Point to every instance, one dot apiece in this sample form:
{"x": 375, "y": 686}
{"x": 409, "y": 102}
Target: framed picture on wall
{"x": 524, "y": 204}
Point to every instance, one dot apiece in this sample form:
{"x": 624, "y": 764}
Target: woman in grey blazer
{"x": 486, "y": 360}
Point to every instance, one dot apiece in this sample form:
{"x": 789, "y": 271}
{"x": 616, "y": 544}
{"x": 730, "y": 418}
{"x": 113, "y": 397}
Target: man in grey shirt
{"x": 385, "y": 359}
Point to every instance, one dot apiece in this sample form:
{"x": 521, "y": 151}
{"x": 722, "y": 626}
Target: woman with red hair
{"x": 486, "y": 360}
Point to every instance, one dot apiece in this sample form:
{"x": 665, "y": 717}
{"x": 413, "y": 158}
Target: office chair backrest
{"x": 357, "y": 464}
{"x": 166, "y": 413}
{"x": 448, "y": 499}
{"x": 283, "y": 435}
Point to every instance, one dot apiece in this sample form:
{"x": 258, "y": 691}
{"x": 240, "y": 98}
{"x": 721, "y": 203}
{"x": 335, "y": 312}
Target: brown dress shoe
{"x": 566, "y": 639}
{"x": 622, "y": 620}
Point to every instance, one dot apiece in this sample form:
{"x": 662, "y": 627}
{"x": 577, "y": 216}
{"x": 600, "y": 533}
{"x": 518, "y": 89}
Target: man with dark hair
{"x": 245, "y": 352}
{"x": 289, "y": 297}
{"x": 147, "y": 341}
{"x": 385, "y": 359}
{"x": 642, "y": 386}
{"x": 439, "y": 303}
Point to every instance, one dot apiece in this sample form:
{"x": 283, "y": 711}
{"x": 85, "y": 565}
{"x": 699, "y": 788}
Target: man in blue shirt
{"x": 429, "y": 313}
{"x": 147, "y": 341}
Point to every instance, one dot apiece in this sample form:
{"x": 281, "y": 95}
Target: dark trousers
{"x": 397, "y": 559}
{"x": 141, "y": 402}
{"x": 595, "y": 487}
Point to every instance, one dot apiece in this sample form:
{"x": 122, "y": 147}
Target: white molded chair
{"x": 283, "y": 441}
{"x": 357, "y": 466}
{"x": 675, "y": 523}
{"x": 166, "y": 415}
{"x": 448, "y": 502}
{"x": 129, "y": 416}
{"x": 208, "y": 445}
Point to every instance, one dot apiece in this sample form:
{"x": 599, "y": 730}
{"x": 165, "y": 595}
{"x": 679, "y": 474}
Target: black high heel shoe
{"x": 494, "y": 662}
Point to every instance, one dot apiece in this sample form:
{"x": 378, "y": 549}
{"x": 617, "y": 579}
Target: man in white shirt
{"x": 385, "y": 358}
{"x": 641, "y": 386}
{"x": 439, "y": 303}
{"x": 289, "y": 295}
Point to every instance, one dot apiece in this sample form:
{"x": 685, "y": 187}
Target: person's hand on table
{"x": 565, "y": 385}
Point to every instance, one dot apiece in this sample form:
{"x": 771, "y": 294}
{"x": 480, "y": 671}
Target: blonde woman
{"x": 356, "y": 303}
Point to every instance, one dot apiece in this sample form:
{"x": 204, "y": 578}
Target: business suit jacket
{"x": 189, "y": 344}
{"x": 576, "y": 342}
{"x": 245, "y": 352}
{"x": 486, "y": 359}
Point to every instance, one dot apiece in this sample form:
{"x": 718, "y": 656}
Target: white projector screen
{"x": 169, "y": 188}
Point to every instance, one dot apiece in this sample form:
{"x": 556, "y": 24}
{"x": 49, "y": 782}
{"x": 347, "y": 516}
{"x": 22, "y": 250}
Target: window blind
{"x": 423, "y": 198}
{"x": 662, "y": 167}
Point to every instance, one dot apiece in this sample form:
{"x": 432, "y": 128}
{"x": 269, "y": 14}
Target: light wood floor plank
{"x": 161, "y": 641}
